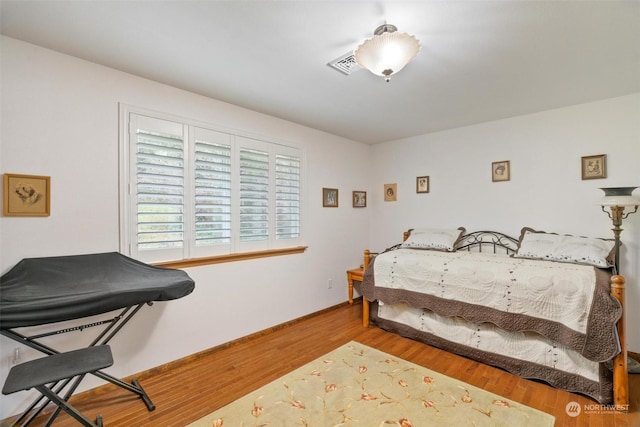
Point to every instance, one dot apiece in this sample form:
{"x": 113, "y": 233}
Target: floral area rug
{"x": 356, "y": 385}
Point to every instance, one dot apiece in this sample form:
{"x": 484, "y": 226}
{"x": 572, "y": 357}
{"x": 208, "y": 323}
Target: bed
{"x": 544, "y": 306}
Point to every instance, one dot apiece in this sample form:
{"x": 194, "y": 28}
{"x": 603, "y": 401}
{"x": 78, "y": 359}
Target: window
{"x": 191, "y": 191}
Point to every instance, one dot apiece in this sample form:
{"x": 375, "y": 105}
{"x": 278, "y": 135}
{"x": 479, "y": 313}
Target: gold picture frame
{"x": 390, "y": 192}
{"x": 26, "y": 195}
{"x": 594, "y": 167}
{"x": 501, "y": 171}
{"x": 329, "y": 197}
{"x": 359, "y": 199}
{"x": 422, "y": 184}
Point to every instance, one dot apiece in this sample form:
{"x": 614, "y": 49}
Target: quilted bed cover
{"x": 497, "y": 309}
{"x": 567, "y": 303}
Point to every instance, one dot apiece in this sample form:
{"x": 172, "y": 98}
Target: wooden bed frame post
{"x": 620, "y": 372}
{"x": 365, "y": 302}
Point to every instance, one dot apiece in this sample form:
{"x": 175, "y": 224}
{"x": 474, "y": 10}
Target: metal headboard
{"x": 493, "y": 241}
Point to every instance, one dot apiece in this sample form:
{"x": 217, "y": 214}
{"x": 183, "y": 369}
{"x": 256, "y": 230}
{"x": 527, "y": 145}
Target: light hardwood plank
{"x": 191, "y": 388}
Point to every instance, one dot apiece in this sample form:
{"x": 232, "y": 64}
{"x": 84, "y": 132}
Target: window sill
{"x": 196, "y": 262}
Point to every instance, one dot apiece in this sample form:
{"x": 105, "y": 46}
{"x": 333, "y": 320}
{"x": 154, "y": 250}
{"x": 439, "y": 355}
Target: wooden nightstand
{"x": 354, "y": 274}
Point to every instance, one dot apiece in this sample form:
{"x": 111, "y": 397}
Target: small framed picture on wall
{"x": 329, "y": 197}
{"x": 390, "y": 192}
{"x": 422, "y": 184}
{"x": 27, "y": 195}
{"x": 359, "y": 199}
{"x": 501, "y": 171}
{"x": 594, "y": 167}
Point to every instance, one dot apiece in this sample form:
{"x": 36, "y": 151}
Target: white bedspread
{"x": 552, "y": 291}
{"x": 487, "y": 337}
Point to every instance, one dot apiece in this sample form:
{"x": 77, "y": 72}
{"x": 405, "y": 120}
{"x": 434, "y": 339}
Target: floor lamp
{"x": 616, "y": 199}
{"x": 614, "y": 203}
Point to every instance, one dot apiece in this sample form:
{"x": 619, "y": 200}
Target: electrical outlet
{"x": 330, "y": 284}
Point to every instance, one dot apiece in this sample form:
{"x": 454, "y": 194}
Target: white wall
{"x": 545, "y": 192}
{"x": 60, "y": 118}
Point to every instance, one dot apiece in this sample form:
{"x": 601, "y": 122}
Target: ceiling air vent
{"x": 345, "y": 64}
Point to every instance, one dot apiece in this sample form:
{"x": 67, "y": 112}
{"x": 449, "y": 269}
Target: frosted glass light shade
{"x": 619, "y": 196}
{"x": 387, "y": 52}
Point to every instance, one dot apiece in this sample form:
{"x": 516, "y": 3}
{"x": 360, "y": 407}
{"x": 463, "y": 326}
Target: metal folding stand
{"x": 112, "y": 327}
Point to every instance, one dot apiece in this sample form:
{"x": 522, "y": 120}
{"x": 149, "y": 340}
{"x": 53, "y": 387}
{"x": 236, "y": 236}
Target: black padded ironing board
{"x": 46, "y": 290}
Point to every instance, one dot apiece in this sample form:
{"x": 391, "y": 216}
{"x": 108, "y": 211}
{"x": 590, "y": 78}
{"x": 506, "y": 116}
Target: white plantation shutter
{"x": 254, "y": 197}
{"x": 212, "y": 182}
{"x": 191, "y": 192}
{"x": 287, "y": 220}
{"x": 159, "y": 192}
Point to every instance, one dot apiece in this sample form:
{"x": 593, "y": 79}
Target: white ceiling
{"x": 480, "y": 60}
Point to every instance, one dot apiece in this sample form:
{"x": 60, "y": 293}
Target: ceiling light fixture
{"x": 387, "y": 52}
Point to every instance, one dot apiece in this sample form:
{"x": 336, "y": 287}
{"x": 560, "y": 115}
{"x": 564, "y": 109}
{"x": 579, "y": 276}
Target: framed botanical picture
{"x": 26, "y": 195}
{"x": 390, "y": 192}
{"x": 329, "y": 197}
{"x": 359, "y": 199}
{"x": 594, "y": 167}
{"x": 422, "y": 184}
{"x": 500, "y": 171}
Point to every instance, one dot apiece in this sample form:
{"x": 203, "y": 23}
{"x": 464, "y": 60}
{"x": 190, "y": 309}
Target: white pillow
{"x": 436, "y": 239}
{"x": 572, "y": 249}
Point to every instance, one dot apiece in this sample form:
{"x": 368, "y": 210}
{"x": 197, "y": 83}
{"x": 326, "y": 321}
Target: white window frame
{"x": 237, "y": 139}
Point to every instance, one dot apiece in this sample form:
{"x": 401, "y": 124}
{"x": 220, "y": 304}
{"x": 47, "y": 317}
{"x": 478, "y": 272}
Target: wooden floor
{"x": 184, "y": 392}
